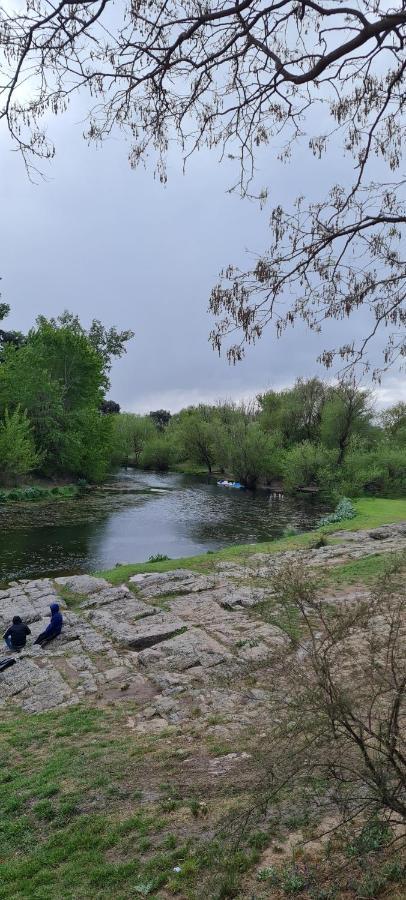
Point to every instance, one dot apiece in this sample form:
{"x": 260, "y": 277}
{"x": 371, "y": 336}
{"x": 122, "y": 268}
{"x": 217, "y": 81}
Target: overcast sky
{"x": 104, "y": 241}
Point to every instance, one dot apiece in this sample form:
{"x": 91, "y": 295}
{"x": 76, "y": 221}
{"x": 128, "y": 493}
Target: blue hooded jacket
{"x": 55, "y": 626}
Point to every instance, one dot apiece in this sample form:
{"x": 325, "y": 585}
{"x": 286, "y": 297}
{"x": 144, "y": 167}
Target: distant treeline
{"x": 313, "y": 434}
{"x": 55, "y": 421}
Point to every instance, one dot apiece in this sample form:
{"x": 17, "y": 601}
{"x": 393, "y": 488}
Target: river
{"x": 137, "y": 515}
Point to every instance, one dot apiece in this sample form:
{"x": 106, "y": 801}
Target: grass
{"x": 364, "y": 570}
{"x": 71, "y": 821}
{"x": 371, "y": 512}
{"x": 74, "y": 823}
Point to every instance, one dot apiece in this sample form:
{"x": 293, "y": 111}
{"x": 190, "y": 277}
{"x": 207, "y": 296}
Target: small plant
{"x": 344, "y": 510}
{"x": 269, "y": 874}
{"x": 290, "y": 531}
{"x": 293, "y": 881}
{"x": 228, "y": 887}
{"x": 194, "y": 807}
{"x": 373, "y": 836}
{"x": 319, "y": 543}
{"x": 158, "y": 557}
{"x": 170, "y": 842}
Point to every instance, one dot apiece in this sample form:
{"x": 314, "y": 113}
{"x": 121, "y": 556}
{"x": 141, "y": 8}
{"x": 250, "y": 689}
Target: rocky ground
{"x": 176, "y": 643}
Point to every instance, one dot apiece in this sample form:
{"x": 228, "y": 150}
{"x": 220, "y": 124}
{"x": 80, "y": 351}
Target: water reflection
{"x": 136, "y": 515}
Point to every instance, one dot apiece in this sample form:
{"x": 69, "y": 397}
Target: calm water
{"x": 138, "y": 514}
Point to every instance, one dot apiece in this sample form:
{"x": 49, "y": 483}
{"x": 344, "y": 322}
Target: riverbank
{"x": 370, "y": 513}
{"x": 136, "y": 749}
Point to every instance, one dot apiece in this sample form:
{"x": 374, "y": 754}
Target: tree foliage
{"x": 161, "y": 418}
{"x": 130, "y": 435}
{"x": 8, "y": 338}
{"x": 18, "y": 455}
{"x": 240, "y": 76}
{"x": 197, "y": 434}
{"x": 57, "y": 377}
{"x": 346, "y": 413}
{"x": 312, "y": 435}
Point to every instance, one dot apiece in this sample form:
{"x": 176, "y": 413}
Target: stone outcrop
{"x": 175, "y": 643}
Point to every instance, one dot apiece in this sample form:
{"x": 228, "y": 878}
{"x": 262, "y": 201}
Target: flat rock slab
{"x": 199, "y": 609}
{"x": 107, "y": 595}
{"x": 34, "y": 687}
{"x": 245, "y": 597}
{"x": 172, "y": 583}
{"x": 185, "y": 651}
{"x": 145, "y": 633}
{"x": 83, "y": 584}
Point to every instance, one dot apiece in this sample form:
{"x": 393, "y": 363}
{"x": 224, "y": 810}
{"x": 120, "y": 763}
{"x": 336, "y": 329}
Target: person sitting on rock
{"x": 16, "y": 636}
{"x": 54, "y": 628}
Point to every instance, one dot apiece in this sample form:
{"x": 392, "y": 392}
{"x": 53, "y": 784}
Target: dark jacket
{"x": 55, "y": 626}
{"x": 18, "y": 634}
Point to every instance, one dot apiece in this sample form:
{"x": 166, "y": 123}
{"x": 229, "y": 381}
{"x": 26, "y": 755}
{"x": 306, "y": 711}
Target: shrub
{"x": 381, "y": 470}
{"x": 309, "y": 464}
{"x": 158, "y": 557}
{"x": 34, "y": 493}
{"x": 344, "y": 510}
{"x": 130, "y": 435}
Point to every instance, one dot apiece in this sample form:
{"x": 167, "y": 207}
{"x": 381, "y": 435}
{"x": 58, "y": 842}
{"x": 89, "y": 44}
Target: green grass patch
{"x": 71, "y": 821}
{"x": 71, "y": 598}
{"x": 371, "y": 512}
{"x": 75, "y": 824}
{"x": 362, "y": 571}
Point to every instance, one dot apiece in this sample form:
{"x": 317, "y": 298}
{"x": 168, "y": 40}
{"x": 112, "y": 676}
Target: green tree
{"x": 70, "y": 359}
{"x": 7, "y": 338}
{"x": 197, "y": 433}
{"x": 161, "y": 418}
{"x": 251, "y": 454}
{"x": 130, "y": 435}
{"x": 394, "y": 422}
{"x": 308, "y": 465}
{"x": 18, "y": 455}
{"x": 25, "y": 383}
{"x": 378, "y": 470}
{"x": 86, "y": 445}
{"x": 158, "y": 454}
{"x": 346, "y": 413}
{"x": 107, "y": 342}
{"x": 60, "y": 377}
{"x": 295, "y": 413}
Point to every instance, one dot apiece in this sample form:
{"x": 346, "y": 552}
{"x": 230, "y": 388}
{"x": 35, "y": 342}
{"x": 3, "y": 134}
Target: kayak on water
{"x": 231, "y": 484}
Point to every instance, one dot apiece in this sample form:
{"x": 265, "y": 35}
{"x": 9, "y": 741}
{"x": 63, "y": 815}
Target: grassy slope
{"x": 371, "y": 512}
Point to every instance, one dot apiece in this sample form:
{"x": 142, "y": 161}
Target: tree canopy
{"x": 236, "y": 76}
{"x": 52, "y": 389}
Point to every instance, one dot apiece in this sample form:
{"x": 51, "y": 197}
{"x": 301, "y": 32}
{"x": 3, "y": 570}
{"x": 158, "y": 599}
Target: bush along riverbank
{"x": 36, "y": 493}
{"x": 205, "y": 727}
